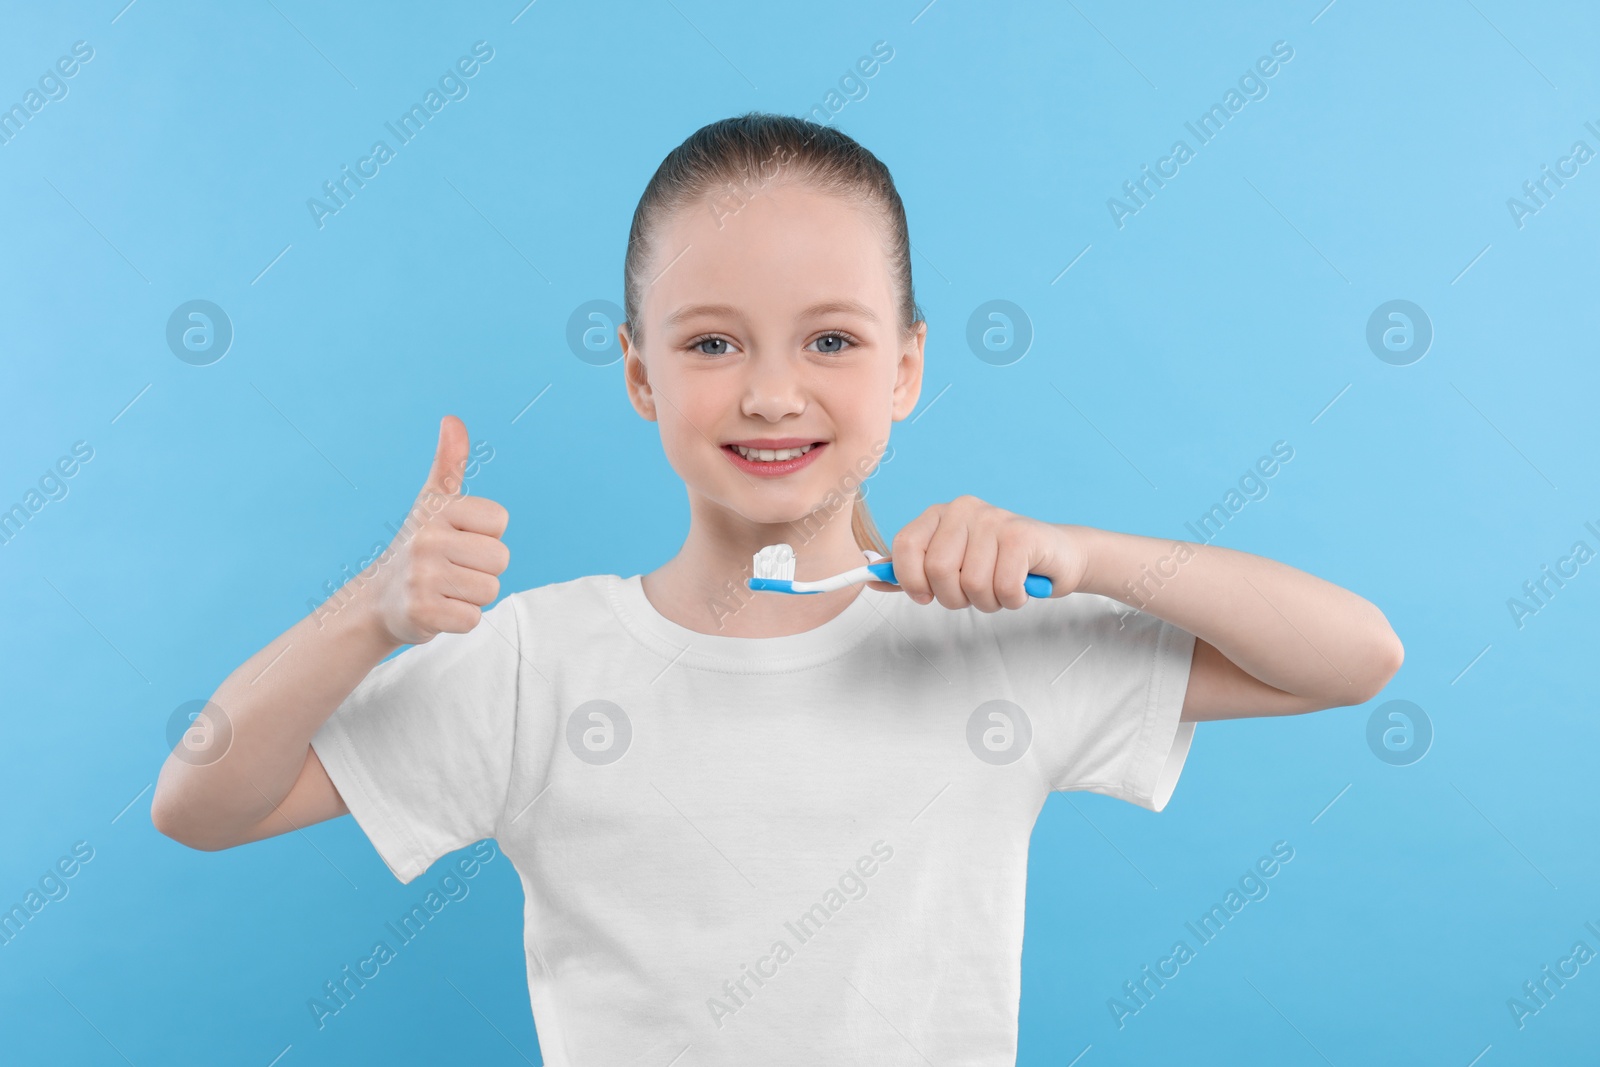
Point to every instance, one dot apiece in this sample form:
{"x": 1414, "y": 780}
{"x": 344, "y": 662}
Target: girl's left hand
{"x": 969, "y": 553}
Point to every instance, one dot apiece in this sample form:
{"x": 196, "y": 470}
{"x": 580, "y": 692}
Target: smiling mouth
{"x": 774, "y": 462}
{"x": 772, "y": 455}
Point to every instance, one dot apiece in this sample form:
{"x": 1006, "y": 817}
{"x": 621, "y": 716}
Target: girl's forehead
{"x": 757, "y": 212}
{"x": 786, "y": 250}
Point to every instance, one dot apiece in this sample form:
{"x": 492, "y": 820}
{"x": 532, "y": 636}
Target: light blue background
{"x": 1226, "y": 315}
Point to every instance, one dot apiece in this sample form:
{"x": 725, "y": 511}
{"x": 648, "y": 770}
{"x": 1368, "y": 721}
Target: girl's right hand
{"x": 443, "y": 566}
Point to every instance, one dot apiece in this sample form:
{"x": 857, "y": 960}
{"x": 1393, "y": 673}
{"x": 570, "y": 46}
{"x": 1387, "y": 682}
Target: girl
{"x": 750, "y": 827}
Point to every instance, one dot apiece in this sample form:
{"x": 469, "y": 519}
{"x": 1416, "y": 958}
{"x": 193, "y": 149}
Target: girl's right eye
{"x": 695, "y": 345}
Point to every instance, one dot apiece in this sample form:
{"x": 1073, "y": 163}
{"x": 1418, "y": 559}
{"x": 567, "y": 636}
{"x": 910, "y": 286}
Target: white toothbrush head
{"x": 774, "y": 561}
{"x": 773, "y": 571}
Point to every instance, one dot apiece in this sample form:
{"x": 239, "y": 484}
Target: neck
{"x": 704, "y": 587}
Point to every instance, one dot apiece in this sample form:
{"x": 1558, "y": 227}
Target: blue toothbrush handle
{"x": 1037, "y": 585}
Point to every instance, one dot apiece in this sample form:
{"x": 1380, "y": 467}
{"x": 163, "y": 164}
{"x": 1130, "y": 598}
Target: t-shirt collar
{"x": 745, "y": 655}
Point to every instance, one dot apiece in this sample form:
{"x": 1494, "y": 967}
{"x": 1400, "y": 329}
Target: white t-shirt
{"x": 803, "y": 849}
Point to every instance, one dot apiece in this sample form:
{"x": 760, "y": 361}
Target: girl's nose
{"x": 772, "y": 389}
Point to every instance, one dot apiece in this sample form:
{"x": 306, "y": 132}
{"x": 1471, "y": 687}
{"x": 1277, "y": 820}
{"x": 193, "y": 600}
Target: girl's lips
{"x": 776, "y": 469}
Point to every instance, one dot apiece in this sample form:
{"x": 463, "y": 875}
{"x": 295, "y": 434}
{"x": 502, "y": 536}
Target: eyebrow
{"x": 827, "y": 307}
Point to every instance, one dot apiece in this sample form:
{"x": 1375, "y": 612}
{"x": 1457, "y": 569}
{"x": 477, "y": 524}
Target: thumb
{"x": 449, "y": 458}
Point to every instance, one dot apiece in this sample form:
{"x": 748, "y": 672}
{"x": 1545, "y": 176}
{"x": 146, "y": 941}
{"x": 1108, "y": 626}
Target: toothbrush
{"x": 774, "y": 572}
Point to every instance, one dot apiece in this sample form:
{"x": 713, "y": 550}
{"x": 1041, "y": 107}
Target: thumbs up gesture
{"x": 444, "y": 564}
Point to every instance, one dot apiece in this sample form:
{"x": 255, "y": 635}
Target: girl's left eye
{"x": 844, "y": 337}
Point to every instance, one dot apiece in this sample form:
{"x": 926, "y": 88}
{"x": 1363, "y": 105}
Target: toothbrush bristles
{"x": 774, "y": 561}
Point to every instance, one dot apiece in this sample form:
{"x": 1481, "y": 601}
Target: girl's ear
{"x": 636, "y": 376}
{"x": 908, "y": 374}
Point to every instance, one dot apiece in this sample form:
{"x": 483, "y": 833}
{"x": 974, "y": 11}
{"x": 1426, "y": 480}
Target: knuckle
{"x": 416, "y": 583}
{"x": 433, "y": 508}
{"x": 454, "y": 512}
{"x": 427, "y": 538}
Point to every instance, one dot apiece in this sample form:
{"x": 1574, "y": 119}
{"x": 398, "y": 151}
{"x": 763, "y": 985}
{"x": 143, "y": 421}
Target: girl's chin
{"x": 800, "y": 514}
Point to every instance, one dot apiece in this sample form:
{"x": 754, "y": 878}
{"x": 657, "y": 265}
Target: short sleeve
{"x": 1104, "y": 684}
{"x": 421, "y": 749}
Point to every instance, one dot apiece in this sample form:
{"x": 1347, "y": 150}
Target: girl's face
{"x": 774, "y": 324}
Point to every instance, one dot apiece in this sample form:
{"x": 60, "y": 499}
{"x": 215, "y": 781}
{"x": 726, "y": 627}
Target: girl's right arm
{"x": 436, "y": 576}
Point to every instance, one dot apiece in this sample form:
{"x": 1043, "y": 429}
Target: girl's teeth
{"x": 770, "y": 455}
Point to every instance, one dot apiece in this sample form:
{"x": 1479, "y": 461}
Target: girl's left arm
{"x": 1269, "y": 639}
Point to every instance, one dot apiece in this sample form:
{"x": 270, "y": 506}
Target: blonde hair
{"x": 738, "y": 155}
